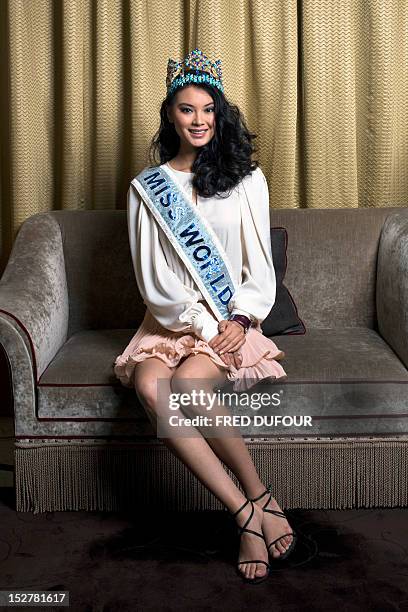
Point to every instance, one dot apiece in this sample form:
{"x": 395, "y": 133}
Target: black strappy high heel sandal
{"x": 286, "y": 554}
{"x": 241, "y": 530}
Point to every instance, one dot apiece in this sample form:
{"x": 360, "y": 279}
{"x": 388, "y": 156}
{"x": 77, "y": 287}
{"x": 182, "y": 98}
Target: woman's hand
{"x": 230, "y": 338}
{"x": 232, "y": 358}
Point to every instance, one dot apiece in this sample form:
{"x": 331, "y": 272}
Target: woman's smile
{"x": 198, "y": 133}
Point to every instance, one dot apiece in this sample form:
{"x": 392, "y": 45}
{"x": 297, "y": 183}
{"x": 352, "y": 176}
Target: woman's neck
{"x": 184, "y": 161}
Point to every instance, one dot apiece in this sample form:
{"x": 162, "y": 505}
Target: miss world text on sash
{"x": 192, "y": 238}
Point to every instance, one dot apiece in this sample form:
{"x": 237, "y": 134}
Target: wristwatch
{"x": 244, "y": 321}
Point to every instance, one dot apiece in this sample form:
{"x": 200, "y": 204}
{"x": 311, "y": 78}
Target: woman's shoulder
{"x": 255, "y": 176}
{"x": 255, "y": 179}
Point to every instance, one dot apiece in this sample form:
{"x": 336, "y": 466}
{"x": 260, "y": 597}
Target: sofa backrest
{"x": 102, "y": 289}
{"x": 332, "y": 263}
{"x": 331, "y": 267}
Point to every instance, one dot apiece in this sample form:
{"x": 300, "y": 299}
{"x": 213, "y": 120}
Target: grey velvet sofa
{"x": 69, "y": 305}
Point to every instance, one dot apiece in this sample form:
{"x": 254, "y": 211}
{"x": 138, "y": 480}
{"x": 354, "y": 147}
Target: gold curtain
{"x": 324, "y": 84}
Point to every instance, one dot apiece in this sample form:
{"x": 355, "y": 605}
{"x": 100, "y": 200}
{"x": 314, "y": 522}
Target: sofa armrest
{"x": 34, "y": 298}
{"x": 392, "y": 284}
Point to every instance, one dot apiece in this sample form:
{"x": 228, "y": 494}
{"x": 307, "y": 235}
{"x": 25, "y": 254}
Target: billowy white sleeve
{"x": 172, "y": 304}
{"x": 256, "y": 295}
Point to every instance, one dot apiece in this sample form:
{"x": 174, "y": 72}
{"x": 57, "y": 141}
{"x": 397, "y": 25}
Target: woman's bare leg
{"x": 233, "y": 450}
{"x": 201, "y": 460}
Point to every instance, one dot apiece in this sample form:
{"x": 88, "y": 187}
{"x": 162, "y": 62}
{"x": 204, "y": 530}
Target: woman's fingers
{"x": 240, "y": 342}
{"x": 228, "y": 338}
{"x": 217, "y": 339}
{"x": 232, "y": 345}
{"x": 229, "y": 329}
{"x": 237, "y": 358}
{"x": 232, "y": 358}
{"x": 227, "y": 358}
{"x": 216, "y": 342}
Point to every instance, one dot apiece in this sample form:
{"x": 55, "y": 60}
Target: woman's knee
{"x": 197, "y": 373}
{"x": 194, "y": 388}
{"x": 151, "y": 379}
{"x": 186, "y": 383}
{"x": 146, "y": 390}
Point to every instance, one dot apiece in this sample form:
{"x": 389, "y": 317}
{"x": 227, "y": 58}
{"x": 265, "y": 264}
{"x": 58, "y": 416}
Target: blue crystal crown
{"x": 195, "y": 68}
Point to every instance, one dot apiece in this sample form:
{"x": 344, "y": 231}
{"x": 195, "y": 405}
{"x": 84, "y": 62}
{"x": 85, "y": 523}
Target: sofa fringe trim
{"x": 326, "y": 475}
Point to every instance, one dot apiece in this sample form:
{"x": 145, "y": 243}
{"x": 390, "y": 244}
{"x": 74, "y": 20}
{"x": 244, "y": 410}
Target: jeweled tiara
{"x": 195, "y": 68}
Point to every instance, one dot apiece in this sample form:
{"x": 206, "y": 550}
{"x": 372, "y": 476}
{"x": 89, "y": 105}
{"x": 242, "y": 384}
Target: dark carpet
{"x": 110, "y": 562}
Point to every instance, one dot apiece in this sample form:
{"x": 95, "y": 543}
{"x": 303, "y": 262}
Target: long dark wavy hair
{"x": 221, "y": 163}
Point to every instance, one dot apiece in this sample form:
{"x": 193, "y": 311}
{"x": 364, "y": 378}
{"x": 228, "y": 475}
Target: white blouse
{"x": 241, "y": 222}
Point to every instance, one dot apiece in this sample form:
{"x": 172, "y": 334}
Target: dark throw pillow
{"x": 283, "y": 318}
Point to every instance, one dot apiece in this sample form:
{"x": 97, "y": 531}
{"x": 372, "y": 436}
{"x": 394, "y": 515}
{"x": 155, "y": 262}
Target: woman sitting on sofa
{"x": 202, "y": 259}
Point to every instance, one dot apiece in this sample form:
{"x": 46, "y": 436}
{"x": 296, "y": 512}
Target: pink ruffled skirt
{"x": 259, "y": 354}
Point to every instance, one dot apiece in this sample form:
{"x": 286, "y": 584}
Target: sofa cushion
{"x": 283, "y": 317}
{"x": 323, "y": 367}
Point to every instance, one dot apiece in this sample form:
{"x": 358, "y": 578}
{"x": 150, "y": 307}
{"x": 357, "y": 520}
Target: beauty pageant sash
{"x": 190, "y": 235}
